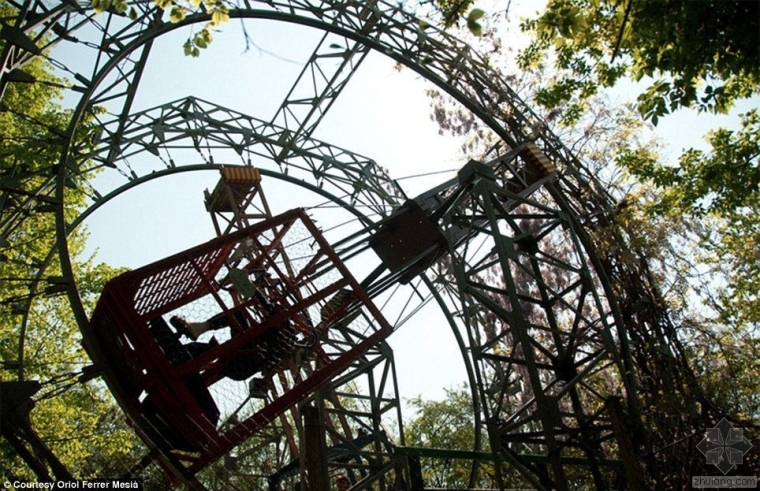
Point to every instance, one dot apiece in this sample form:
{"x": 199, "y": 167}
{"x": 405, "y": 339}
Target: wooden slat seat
{"x": 239, "y": 180}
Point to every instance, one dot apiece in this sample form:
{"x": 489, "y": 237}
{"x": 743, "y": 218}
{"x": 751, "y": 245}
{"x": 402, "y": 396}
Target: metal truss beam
{"x": 540, "y": 335}
{"x": 539, "y": 350}
{"x": 208, "y": 132}
{"x": 352, "y": 409}
{"x": 320, "y": 83}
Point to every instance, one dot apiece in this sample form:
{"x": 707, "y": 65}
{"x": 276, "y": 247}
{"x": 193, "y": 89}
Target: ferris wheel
{"x": 298, "y": 302}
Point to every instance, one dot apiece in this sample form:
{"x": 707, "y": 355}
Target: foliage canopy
{"x": 48, "y": 349}
{"x": 702, "y": 53}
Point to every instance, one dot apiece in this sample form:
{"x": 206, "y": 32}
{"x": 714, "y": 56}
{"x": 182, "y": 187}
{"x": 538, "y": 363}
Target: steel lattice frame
{"x": 534, "y": 353}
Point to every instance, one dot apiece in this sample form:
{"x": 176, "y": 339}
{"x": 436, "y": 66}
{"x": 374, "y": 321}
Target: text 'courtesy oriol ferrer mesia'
{"x": 83, "y": 484}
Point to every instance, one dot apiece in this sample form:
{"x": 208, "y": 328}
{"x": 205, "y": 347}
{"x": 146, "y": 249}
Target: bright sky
{"x": 383, "y": 114}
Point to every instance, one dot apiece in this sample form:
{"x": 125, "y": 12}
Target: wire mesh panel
{"x": 207, "y": 347}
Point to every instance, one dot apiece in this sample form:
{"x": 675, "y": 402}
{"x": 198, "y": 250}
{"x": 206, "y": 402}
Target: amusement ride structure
{"x": 296, "y": 356}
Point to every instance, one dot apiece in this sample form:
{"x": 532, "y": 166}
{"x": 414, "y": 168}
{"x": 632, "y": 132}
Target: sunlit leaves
{"x": 702, "y": 55}
{"x": 48, "y": 348}
{"x": 216, "y": 13}
{"x": 563, "y": 20}
{"x": 444, "y": 424}
{"x": 653, "y": 103}
{"x": 695, "y": 46}
{"x": 102, "y": 5}
{"x": 726, "y": 349}
{"x": 736, "y": 248}
{"x": 219, "y": 15}
{"x": 725, "y": 181}
{"x": 196, "y": 42}
{"x": 473, "y": 23}
{"x": 177, "y": 14}
{"x": 718, "y": 191}
{"x": 453, "y": 10}
{"x": 216, "y": 10}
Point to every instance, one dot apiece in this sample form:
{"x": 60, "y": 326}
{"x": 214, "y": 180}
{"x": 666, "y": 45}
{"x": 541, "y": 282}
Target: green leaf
{"x": 218, "y": 16}
{"x": 177, "y": 14}
{"x": 475, "y": 14}
{"x": 472, "y": 22}
{"x": 188, "y": 48}
{"x": 655, "y": 40}
{"x": 475, "y": 28}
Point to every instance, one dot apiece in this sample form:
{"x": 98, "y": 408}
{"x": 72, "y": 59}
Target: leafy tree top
{"x": 700, "y": 53}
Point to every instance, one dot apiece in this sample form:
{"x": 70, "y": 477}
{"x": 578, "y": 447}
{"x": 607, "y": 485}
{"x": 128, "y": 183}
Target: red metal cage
{"x": 292, "y": 309}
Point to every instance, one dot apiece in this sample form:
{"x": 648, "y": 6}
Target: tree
{"x": 447, "y": 424}
{"x": 703, "y": 54}
{"x": 177, "y": 10}
{"x": 700, "y": 54}
{"x": 722, "y": 190}
{"x": 723, "y": 182}
{"x": 663, "y": 266}
{"x": 74, "y": 419}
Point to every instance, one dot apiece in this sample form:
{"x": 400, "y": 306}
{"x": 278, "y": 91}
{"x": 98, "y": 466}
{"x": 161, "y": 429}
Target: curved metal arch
{"x": 206, "y": 167}
{"x": 382, "y": 348}
{"x": 417, "y": 52}
{"x": 318, "y": 150}
{"x": 436, "y": 55}
{"x": 193, "y": 123}
{"x": 463, "y": 75}
{"x": 290, "y": 178}
{"x": 467, "y": 77}
{"x": 558, "y": 329}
